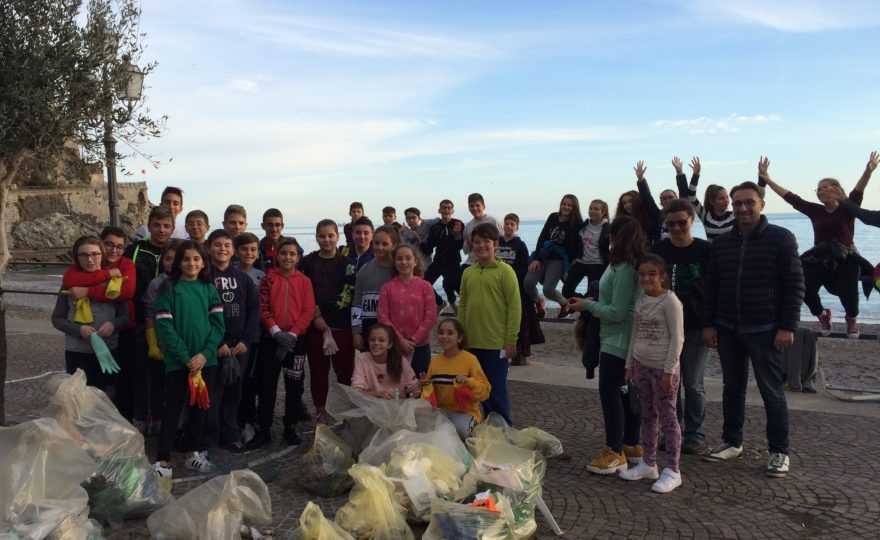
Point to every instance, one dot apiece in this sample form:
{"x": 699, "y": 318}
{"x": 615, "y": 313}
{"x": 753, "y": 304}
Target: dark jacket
{"x": 754, "y": 283}
{"x": 146, "y": 262}
{"x": 241, "y": 305}
{"x": 561, "y": 233}
{"x": 445, "y": 240}
{"x": 654, "y": 211}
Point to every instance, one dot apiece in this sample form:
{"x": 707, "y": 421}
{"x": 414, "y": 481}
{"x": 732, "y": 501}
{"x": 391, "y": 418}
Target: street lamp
{"x": 131, "y": 93}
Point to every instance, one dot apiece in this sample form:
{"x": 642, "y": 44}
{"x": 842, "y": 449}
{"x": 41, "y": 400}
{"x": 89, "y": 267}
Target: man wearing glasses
{"x": 754, "y": 288}
{"x": 686, "y": 258}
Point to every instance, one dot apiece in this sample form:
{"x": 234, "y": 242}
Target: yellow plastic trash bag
{"x": 371, "y": 510}
{"x": 495, "y": 428}
{"x": 314, "y": 526}
{"x": 114, "y": 287}
{"x": 422, "y": 472}
{"x": 83, "y": 313}
{"x": 326, "y": 464}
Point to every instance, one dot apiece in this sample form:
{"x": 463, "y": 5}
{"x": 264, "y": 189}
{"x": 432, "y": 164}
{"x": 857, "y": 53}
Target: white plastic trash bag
{"x": 325, "y": 465}
{"x": 314, "y": 526}
{"x": 124, "y": 486}
{"x": 494, "y": 427}
{"x": 391, "y": 414}
{"x": 215, "y": 509}
{"x": 422, "y": 472}
{"x": 455, "y": 521}
{"x": 41, "y": 468}
{"x": 434, "y": 428}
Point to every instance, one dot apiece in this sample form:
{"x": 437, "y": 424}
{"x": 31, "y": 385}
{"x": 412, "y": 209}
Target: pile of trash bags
{"x": 82, "y": 465}
{"x": 412, "y": 468}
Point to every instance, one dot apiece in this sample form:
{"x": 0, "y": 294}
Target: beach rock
{"x": 58, "y": 231}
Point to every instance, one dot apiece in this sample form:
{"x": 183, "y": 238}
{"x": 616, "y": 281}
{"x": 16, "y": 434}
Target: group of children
{"x": 202, "y": 327}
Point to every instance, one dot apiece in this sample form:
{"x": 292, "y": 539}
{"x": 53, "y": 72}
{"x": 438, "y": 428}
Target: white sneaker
{"x": 640, "y": 471}
{"x": 163, "y": 477}
{"x": 668, "y": 481}
{"x": 777, "y": 465}
{"x": 199, "y": 462}
{"x": 722, "y": 452}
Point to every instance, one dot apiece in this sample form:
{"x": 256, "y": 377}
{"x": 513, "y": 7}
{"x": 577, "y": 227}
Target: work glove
{"x": 286, "y": 344}
{"x": 230, "y": 370}
{"x": 153, "y": 350}
{"x": 114, "y": 287}
{"x": 330, "y": 345}
{"x": 83, "y": 313}
{"x": 105, "y": 359}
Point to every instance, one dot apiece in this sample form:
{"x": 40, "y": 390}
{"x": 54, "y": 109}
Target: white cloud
{"x": 706, "y": 125}
{"x": 242, "y": 85}
{"x": 793, "y": 15}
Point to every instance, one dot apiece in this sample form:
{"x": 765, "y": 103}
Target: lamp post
{"x": 131, "y": 93}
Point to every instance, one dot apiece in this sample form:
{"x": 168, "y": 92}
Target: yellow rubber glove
{"x": 153, "y": 350}
{"x": 114, "y": 287}
{"x": 83, "y": 313}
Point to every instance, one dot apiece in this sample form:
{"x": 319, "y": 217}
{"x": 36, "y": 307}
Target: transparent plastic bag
{"x": 391, "y": 414}
{"x": 314, "y": 526}
{"x": 215, "y": 509}
{"x": 422, "y": 472}
{"x": 434, "y": 428}
{"x": 42, "y": 467}
{"x": 124, "y": 486}
{"x": 493, "y": 427}
{"x": 454, "y": 521}
{"x": 326, "y": 464}
{"x": 372, "y": 511}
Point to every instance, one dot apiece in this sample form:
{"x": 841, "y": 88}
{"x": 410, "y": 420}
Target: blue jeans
{"x": 693, "y": 365}
{"x": 621, "y": 425}
{"x": 735, "y": 349}
{"x": 495, "y": 369}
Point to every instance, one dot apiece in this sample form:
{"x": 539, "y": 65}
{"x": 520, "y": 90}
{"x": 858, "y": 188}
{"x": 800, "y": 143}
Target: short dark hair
{"x": 110, "y": 230}
{"x": 272, "y": 212}
{"x": 475, "y": 197}
{"x": 160, "y": 213}
{"x": 389, "y": 210}
{"x": 198, "y": 214}
{"x": 285, "y": 241}
{"x": 447, "y": 201}
{"x": 748, "y": 185}
{"x": 234, "y": 209}
{"x": 171, "y": 245}
{"x": 412, "y": 210}
{"x": 679, "y": 205}
{"x": 486, "y": 230}
{"x": 356, "y": 206}
{"x": 326, "y": 223}
{"x": 363, "y": 220}
{"x": 245, "y": 238}
{"x": 218, "y": 233}
{"x": 512, "y": 217}
{"x": 172, "y": 191}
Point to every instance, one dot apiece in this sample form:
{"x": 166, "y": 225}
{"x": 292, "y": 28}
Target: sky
{"x": 307, "y": 106}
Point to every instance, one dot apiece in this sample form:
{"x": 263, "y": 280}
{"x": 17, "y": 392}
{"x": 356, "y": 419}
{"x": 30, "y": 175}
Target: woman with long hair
{"x": 714, "y": 211}
{"x": 630, "y": 204}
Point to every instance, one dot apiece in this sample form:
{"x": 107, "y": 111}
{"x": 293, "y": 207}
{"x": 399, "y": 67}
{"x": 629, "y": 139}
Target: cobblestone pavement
{"x": 832, "y": 490}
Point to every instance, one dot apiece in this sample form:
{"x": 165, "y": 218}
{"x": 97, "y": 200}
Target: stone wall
{"x": 51, "y": 218}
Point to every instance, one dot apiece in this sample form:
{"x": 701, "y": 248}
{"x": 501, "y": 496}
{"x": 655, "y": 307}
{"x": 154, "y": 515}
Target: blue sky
{"x": 306, "y": 106}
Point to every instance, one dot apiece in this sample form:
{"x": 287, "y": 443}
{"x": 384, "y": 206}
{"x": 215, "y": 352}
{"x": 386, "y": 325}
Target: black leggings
{"x": 577, "y": 272}
{"x": 449, "y": 271}
{"x": 621, "y": 425}
{"x": 842, "y": 282}
{"x": 176, "y": 398}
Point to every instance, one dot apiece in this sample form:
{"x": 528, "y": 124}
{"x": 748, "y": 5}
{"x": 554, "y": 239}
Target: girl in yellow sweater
{"x": 455, "y": 382}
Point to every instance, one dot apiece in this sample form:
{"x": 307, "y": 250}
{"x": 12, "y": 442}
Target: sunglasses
{"x": 677, "y": 223}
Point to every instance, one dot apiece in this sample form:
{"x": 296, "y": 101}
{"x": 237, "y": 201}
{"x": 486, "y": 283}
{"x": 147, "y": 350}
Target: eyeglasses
{"x": 93, "y": 256}
{"x": 677, "y": 223}
{"x": 110, "y": 246}
{"x": 751, "y": 203}
{"x": 649, "y": 274}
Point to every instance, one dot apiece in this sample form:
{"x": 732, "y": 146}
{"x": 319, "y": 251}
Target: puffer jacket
{"x": 754, "y": 283}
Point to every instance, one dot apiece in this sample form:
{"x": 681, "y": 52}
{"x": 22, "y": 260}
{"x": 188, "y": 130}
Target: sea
{"x": 867, "y": 240}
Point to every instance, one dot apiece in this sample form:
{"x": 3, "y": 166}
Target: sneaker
{"x": 607, "y": 462}
{"x": 199, "y": 462}
{"x": 668, "y": 481}
{"x": 722, "y": 452}
{"x": 777, "y": 465}
{"x": 852, "y": 328}
{"x": 163, "y": 477}
{"x": 640, "y": 471}
{"x": 259, "y": 440}
{"x": 247, "y": 433}
{"x": 825, "y": 322}
{"x": 633, "y": 453}
{"x": 291, "y": 438}
{"x": 693, "y": 448}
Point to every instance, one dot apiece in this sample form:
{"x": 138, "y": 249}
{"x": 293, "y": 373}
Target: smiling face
{"x": 196, "y": 228}
{"x": 747, "y": 207}
{"x": 114, "y": 246}
{"x": 380, "y": 344}
{"x": 666, "y": 197}
{"x": 173, "y": 202}
{"x": 720, "y": 202}
{"x": 273, "y": 227}
{"x": 446, "y": 210}
{"x": 477, "y": 209}
{"x": 168, "y": 261}
{"x": 448, "y": 338}
{"x": 595, "y": 213}
{"x": 363, "y": 237}
{"x": 235, "y": 224}
{"x": 825, "y": 188}
{"x": 510, "y": 228}
{"x": 627, "y": 203}
{"x": 483, "y": 249}
{"x": 382, "y": 246}
{"x": 160, "y": 230}
{"x": 191, "y": 264}
{"x": 651, "y": 278}
{"x": 287, "y": 258}
{"x": 679, "y": 225}
{"x": 248, "y": 254}
{"x": 405, "y": 261}
{"x": 221, "y": 252}
{"x": 327, "y": 238}
{"x": 565, "y": 208}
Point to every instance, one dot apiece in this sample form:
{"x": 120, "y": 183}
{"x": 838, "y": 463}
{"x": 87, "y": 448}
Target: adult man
{"x": 172, "y": 199}
{"x": 686, "y": 258}
{"x": 753, "y": 293}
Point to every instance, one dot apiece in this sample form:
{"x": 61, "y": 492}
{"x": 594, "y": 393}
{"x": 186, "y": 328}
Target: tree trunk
{"x": 8, "y": 170}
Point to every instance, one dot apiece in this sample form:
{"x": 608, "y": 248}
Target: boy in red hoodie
{"x": 287, "y": 306}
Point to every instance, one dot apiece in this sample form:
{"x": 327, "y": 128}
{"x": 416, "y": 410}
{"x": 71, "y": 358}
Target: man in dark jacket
{"x": 753, "y": 292}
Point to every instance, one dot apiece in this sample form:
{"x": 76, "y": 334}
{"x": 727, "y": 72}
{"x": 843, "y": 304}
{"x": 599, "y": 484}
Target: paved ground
{"x": 832, "y": 491}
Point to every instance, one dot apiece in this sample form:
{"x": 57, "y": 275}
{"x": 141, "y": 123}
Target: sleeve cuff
{"x": 274, "y": 330}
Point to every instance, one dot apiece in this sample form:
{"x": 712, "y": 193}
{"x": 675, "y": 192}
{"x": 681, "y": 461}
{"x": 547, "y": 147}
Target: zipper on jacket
{"x": 742, "y": 253}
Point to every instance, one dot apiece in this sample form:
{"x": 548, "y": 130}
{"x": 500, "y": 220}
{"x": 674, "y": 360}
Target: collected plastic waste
{"x": 421, "y": 473}
{"x": 493, "y": 427}
{"x": 371, "y": 510}
{"x": 326, "y": 464}
{"x": 314, "y": 526}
